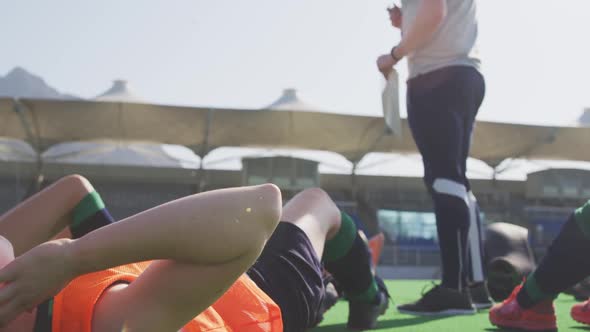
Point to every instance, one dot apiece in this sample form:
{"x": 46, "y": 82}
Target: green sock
{"x": 340, "y": 244}
{"x": 89, "y": 214}
{"x": 534, "y": 292}
{"x": 366, "y": 296}
{"x": 347, "y": 258}
{"x": 88, "y": 206}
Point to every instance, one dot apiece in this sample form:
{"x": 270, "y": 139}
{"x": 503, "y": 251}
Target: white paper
{"x": 390, "y": 99}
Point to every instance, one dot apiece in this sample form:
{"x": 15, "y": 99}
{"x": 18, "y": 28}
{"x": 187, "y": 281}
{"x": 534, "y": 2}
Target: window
{"x": 570, "y": 191}
{"x": 407, "y": 227}
{"x": 550, "y": 191}
{"x": 286, "y": 172}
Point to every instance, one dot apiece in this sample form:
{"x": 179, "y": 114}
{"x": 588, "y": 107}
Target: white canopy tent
{"x": 145, "y": 161}
{"x": 114, "y": 157}
{"x": 127, "y": 153}
{"x": 47, "y": 122}
{"x": 18, "y": 166}
{"x": 230, "y": 158}
{"x": 16, "y": 150}
{"x": 285, "y": 124}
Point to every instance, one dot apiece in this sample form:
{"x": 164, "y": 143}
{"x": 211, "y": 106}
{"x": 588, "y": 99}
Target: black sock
{"x": 347, "y": 258}
{"x": 90, "y": 214}
{"x": 565, "y": 263}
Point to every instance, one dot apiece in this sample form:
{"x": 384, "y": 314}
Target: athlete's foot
{"x": 330, "y": 298}
{"x": 440, "y": 301}
{"x": 364, "y": 315}
{"x": 580, "y": 291}
{"x": 510, "y": 315}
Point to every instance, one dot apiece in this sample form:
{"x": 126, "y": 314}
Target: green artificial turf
{"x": 407, "y": 291}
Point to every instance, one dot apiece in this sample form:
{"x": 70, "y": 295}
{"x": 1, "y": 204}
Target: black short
{"x": 289, "y": 271}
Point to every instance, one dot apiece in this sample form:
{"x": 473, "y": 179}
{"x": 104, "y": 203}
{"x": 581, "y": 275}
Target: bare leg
{"x": 44, "y": 215}
{"x": 315, "y": 213}
{"x": 335, "y": 238}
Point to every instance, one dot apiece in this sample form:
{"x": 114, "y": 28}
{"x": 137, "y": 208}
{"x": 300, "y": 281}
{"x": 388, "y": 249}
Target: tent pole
{"x": 204, "y": 151}
{"x": 32, "y": 133}
{"x": 353, "y": 178}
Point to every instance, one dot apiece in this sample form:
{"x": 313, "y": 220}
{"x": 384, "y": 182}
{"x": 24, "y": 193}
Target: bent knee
{"x": 315, "y": 193}
{"x": 314, "y": 202}
{"x": 76, "y": 182}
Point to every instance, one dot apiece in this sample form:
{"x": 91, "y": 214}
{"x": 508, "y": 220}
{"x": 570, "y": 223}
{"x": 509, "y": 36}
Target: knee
{"x": 75, "y": 185}
{"x": 75, "y": 181}
{"x": 318, "y": 198}
{"x": 450, "y": 188}
{"x": 451, "y": 202}
{"x": 315, "y": 193}
{"x": 315, "y": 202}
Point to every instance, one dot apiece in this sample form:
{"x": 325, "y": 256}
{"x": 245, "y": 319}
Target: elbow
{"x": 269, "y": 195}
{"x": 432, "y": 13}
{"x": 438, "y": 12}
{"x": 264, "y": 213}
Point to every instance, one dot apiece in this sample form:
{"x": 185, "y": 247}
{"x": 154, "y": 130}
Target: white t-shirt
{"x": 453, "y": 44}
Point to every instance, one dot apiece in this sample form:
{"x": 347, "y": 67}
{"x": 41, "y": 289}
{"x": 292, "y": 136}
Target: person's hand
{"x": 34, "y": 277}
{"x": 385, "y": 64}
{"x": 395, "y": 16}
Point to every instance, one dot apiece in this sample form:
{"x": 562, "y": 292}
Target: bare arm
{"x": 431, "y": 14}
{"x": 195, "y": 229}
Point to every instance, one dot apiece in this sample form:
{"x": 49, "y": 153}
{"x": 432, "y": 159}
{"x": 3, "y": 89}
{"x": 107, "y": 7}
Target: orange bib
{"x": 243, "y": 308}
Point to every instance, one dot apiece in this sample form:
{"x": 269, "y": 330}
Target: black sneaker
{"x": 440, "y": 301}
{"x": 580, "y": 291}
{"x": 363, "y": 315}
{"x": 480, "y": 297}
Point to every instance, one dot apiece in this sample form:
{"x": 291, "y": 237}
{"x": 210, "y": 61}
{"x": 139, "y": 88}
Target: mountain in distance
{"x": 19, "y": 83}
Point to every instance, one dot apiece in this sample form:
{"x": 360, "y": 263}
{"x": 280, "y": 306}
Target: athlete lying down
{"x": 214, "y": 261}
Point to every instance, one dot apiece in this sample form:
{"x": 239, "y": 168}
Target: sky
{"x": 242, "y": 54}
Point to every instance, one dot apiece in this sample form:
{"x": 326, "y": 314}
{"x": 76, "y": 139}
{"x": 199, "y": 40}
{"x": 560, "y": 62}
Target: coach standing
{"x": 444, "y": 92}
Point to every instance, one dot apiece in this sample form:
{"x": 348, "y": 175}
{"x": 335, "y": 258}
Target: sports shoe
{"x": 480, "y": 297}
{"x": 329, "y": 299}
{"x": 581, "y": 312}
{"x": 580, "y": 291}
{"x": 440, "y": 301}
{"x": 363, "y": 315}
{"x": 509, "y": 314}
